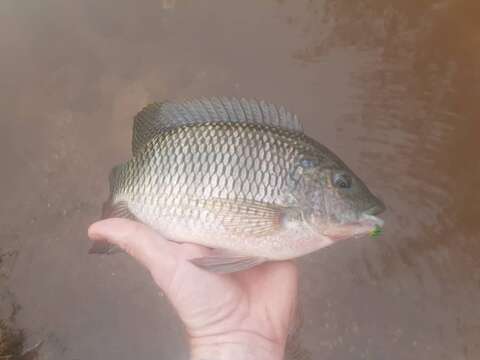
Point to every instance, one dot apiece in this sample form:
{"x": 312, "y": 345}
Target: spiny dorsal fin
{"x": 157, "y": 117}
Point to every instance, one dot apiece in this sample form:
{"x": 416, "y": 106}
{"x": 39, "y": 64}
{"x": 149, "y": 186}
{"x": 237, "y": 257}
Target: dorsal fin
{"x": 146, "y": 124}
{"x": 157, "y": 117}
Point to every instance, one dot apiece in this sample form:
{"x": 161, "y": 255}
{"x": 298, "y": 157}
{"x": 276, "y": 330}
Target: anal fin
{"x": 225, "y": 262}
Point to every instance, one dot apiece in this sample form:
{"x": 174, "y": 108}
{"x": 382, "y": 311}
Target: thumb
{"x": 140, "y": 241}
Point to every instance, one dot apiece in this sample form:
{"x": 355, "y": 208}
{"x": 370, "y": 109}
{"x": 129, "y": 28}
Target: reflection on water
{"x": 418, "y": 123}
{"x": 417, "y": 93}
{"x": 392, "y": 86}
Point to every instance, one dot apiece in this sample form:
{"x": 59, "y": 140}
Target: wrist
{"x": 240, "y": 346}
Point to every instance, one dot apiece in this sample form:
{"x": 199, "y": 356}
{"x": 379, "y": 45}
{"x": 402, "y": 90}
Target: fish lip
{"x": 363, "y": 226}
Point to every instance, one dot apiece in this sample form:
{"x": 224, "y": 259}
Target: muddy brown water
{"x": 393, "y": 87}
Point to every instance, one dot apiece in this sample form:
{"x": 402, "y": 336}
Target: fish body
{"x": 239, "y": 176}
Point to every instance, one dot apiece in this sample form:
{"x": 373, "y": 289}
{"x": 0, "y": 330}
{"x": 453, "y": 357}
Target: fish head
{"x": 336, "y": 202}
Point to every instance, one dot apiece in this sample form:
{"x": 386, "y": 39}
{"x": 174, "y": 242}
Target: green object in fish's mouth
{"x": 376, "y": 232}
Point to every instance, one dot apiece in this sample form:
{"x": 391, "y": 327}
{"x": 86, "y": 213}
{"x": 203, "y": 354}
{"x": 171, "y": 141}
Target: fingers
{"x": 140, "y": 241}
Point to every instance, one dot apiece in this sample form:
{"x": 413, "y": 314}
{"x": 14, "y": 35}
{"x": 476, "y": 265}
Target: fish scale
{"x": 196, "y": 169}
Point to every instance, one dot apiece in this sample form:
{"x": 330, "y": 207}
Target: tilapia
{"x": 239, "y": 176}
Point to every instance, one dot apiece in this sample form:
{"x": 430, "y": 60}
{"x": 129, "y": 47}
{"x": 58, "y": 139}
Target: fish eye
{"x": 342, "y": 181}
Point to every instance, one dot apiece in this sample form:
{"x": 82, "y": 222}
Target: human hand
{"x": 240, "y": 316}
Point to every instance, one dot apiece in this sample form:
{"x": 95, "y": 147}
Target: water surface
{"x": 391, "y": 86}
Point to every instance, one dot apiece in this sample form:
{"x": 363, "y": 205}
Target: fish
{"x": 239, "y": 176}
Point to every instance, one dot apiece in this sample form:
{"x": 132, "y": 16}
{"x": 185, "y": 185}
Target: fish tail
{"x": 103, "y": 247}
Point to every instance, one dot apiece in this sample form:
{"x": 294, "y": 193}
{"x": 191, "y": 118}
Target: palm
{"x": 257, "y": 302}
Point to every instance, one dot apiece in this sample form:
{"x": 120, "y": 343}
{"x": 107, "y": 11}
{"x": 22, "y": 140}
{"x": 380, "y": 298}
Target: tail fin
{"x": 111, "y": 209}
{"x": 103, "y": 247}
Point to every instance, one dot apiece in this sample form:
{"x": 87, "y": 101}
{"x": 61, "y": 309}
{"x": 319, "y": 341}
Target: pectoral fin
{"x": 248, "y": 218}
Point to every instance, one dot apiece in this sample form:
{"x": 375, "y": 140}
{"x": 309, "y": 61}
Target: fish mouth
{"x": 367, "y": 224}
